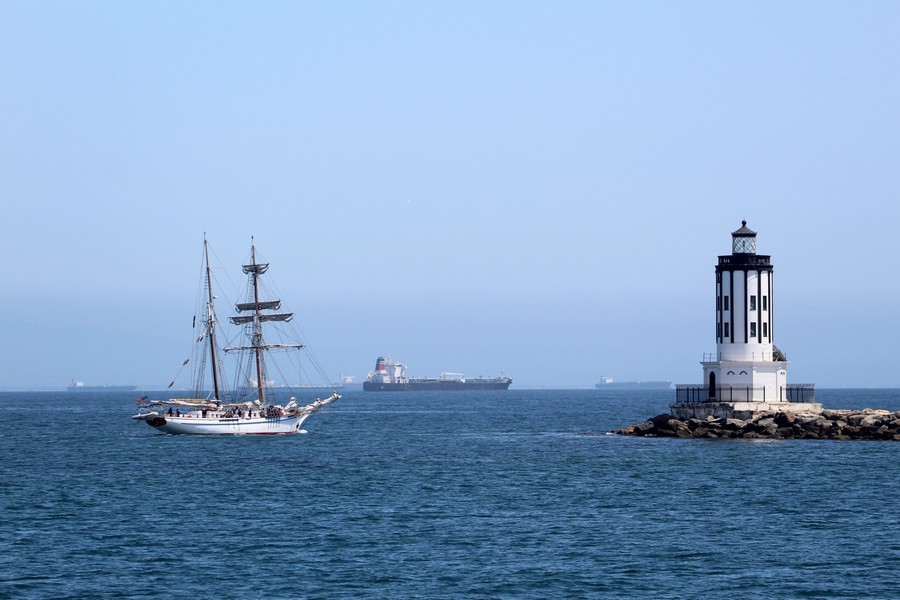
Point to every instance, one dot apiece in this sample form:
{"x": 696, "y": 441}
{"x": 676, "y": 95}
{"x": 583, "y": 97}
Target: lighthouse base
{"x": 739, "y": 410}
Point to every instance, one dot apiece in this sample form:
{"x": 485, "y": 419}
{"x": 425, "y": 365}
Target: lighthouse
{"x": 748, "y": 373}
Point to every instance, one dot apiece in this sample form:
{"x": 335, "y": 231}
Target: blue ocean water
{"x": 469, "y": 495}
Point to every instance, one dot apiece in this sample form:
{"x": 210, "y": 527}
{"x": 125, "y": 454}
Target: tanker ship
{"x": 389, "y": 376}
{"x": 78, "y": 386}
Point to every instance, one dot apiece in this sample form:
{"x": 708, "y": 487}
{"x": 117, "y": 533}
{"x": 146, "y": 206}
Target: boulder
{"x": 735, "y": 425}
{"x": 678, "y": 428}
{"x": 693, "y": 424}
{"x": 809, "y": 421}
{"x": 660, "y": 421}
{"x": 871, "y": 421}
{"x": 764, "y": 422}
{"x": 705, "y": 433}
{"x": 645, "y": 428}
{"x": 856, "y": 418}
{"x": 768, "y": 429}
{"x": 785, "y": 432}
{"x": 835, "y": 415}
{"x": 784, "y": 419}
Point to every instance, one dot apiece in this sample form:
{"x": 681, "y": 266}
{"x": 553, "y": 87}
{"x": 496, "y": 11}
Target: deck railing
{"x": 801, "y": 392}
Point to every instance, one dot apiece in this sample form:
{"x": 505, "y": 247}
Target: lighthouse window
{"x": 752, "y": 329}
{"x": 752, "y": 302}
{"x": 727, "y": 333}
{"x": 765, "y": 302}
{"x": 765, "y": 328}
{"x": 725, "y": 304}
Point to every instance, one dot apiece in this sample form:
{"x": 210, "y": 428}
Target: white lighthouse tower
{"x": 748, "y": 373}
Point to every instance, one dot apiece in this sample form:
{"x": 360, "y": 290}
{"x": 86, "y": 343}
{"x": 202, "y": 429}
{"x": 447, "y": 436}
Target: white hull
{"x": 197, "y": 424}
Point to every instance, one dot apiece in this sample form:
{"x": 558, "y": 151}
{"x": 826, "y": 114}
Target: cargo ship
{"x": 607, "y": 383}
{"x": 78, "y": 386}
{"x": 389, "y": 376}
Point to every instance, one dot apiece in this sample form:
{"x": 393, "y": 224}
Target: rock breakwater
{"x": 868, "y": 424}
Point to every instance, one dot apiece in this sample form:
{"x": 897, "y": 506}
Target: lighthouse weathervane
{"x": 748, "y": 373}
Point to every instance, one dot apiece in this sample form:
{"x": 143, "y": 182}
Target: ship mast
{"x": 257, "y": 328}
{"x": 254, "y": 318}
{"x": 211, "y": 322}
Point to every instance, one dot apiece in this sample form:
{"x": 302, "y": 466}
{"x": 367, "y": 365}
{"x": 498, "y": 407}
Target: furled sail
{"x": 265, "y": 305}
{"x": 258, "y": 268}
{"x": 266, "y": 347}
{"x": 244, "y": 319}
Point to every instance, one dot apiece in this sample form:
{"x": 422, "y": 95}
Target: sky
{"x": 537, "y": 188}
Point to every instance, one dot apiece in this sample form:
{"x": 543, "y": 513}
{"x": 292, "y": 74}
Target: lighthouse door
{"x": 712, "y": 386}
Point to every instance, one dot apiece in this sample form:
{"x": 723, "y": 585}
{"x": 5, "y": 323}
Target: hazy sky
{"x": 541, "y": 188}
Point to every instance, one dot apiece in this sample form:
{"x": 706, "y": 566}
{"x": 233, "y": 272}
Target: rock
{"x": 807, "y": 420}
{"x": 678, "y": 428}
{"x": 870, "y": 421}
{"x": 645, "y": 428}
{"x": 835, "y": 415}
{"x": 693, "y": 424}
{"x": 813, "y": 424}
{"x": 769, "y": 429}
{"x": 735, "y": 425}
{"x": 660, "y": 421}
{"x": 855, "y": 418}
{"x": 764, "y": 422}
{"x": 784, "y": 419}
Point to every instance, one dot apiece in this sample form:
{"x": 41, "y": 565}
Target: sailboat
{"x": 250, "y": 407}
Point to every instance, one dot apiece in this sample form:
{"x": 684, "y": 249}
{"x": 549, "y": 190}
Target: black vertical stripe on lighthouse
{"x": 719, "y": 310}
{"x": 771, "y": 309}
{"x": 731, "y": 310}
{"x": 759, "y": 306}
{"x": 746, "y": 311}
{"x": 718, "y": 307}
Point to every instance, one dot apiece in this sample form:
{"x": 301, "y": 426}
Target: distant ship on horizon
{"x": 389, "y": 376}
{"x": 78, "y": 386}
{"x": 608, "y": 383}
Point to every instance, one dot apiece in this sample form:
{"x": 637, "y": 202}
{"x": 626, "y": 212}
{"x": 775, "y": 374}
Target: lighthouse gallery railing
{"x": 695, "y": 394}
